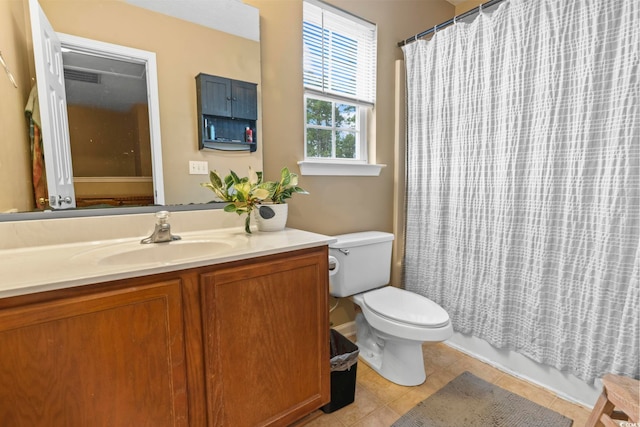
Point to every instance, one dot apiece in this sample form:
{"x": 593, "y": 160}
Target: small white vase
{"x": 271, "y": 217}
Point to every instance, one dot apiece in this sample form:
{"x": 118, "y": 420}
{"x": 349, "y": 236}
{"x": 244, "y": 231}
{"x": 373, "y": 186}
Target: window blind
{"x": 339, "y": 53}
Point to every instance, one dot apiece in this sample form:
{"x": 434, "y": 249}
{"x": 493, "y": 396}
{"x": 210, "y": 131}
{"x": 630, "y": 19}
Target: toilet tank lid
{"x": 359, "y": 239}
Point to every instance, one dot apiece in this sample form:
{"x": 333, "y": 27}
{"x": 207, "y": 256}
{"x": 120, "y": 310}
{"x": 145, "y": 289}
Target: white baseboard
{"x": 560, "y": 383}
{"x": 563, "y": 384}
{"x": 348, "y": 330}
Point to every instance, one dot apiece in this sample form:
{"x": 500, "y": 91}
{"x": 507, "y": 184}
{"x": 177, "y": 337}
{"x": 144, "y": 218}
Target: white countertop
{"x": 44, "y": 268}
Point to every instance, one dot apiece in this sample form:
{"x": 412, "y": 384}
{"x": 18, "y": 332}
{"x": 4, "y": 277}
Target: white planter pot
{"x": 271, "y": 217}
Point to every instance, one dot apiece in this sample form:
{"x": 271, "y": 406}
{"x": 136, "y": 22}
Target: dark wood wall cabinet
{"x": 238, "y": 344}
{"x": 226, "y": 109}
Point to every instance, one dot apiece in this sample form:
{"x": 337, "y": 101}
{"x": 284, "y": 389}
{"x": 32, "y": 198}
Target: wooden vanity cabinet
{"x": 113, "y": 356}
{"x": 266, "y": 339}
{"x": 238, "y": 344}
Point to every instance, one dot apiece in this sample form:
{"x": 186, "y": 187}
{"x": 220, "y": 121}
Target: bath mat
{"x": 472, "y": 402}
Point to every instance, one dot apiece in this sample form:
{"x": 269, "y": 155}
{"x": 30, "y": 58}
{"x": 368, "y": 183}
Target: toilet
{"x": 394, "y": 322}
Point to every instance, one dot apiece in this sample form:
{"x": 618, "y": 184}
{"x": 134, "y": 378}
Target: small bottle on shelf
{"x": 248, "y": 135}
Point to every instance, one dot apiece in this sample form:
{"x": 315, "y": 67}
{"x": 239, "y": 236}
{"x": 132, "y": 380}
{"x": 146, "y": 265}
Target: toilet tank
{"x": 362, "y": 262}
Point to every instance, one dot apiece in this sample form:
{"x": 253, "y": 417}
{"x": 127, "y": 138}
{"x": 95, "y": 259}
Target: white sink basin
{"x": 159, "y": 253}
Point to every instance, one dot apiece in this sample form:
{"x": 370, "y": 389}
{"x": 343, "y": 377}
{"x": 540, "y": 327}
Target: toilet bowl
{"x": 391, "y": 329}
{"x": 393, "y": 323}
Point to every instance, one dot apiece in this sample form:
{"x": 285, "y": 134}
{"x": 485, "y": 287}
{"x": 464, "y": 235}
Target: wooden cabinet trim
{"x": 97, "y": 301}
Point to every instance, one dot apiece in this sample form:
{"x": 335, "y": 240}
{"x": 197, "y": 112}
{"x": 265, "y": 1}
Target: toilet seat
{"x": 406, "y": 307}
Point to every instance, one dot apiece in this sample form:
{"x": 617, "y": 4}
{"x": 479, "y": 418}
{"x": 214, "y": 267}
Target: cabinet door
{"x": 215, "y": 95}
{"x": 113, "y": 358}
{"x": 245, "y": 100}
{"x": 266, "y": 338}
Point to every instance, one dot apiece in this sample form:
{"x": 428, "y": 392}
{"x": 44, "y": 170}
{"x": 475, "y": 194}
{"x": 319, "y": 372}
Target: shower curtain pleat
{"x": 523, "y": 203}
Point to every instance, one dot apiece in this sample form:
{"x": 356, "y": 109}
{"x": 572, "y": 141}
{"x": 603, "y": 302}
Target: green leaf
{"x": 230, "y": 208}
{"x": 240, "y": 195}
{"x": 247, "y": 224}
{"x": 286, "y": 194}
{"x": 284, "y": 173}
{"x": 228, "y": 181}
{"x": 285, "y": 176}
{"x": 261, "y": 193}
{"x": 215, "y": 179}
{"x": 253, "y": 177}
{"x": 234, "y": 177}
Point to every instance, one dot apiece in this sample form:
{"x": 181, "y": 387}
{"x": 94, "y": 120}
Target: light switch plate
{"x": 198, "y": 168}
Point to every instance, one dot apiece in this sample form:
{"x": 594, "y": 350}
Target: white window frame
{"x": 360, "y": 165}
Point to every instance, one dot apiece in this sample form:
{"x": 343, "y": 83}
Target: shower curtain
{"x": 522, "y": 216}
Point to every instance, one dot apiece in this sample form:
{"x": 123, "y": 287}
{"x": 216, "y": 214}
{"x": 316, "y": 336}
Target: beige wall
{"x": 92, "y": 188}
{"x": 336, "y": 204}
{"x": 105, "y": 142}
{"x": 468, "y": 5}
{"x": 141, "y": 113}
{"x": 15, "y": 185}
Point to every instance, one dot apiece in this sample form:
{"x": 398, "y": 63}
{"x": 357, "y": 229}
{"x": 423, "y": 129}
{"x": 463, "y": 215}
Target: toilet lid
{"x": 407, "y": 307}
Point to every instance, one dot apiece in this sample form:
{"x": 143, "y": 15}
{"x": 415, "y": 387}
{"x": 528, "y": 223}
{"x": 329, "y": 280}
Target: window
{"x": 339, "y": 81}
{"x": 333, "y": 129}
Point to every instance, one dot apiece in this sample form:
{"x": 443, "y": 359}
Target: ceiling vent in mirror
{"x": 81, "y": 76}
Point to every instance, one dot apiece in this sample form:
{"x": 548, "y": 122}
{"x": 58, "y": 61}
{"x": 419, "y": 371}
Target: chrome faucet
{"x": 162, "y": 232}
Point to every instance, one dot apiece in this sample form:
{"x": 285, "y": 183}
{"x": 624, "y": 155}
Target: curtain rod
{"x": 449, "y": 22}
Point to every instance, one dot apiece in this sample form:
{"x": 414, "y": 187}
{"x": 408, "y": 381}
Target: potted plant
{"x": 243, "y": 194}
{"x": 252, "y": 194}
{"x": 272, "y": 212}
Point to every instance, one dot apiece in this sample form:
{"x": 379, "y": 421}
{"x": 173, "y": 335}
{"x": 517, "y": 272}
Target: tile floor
{"x": 379, "y": 403}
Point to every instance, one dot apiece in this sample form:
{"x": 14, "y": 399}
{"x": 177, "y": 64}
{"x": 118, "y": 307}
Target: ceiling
{"x": 230, "y": 16}
{"x": 101, "y": 82}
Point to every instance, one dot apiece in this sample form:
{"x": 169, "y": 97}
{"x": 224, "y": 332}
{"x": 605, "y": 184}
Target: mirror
{"x": 183, "y": 50}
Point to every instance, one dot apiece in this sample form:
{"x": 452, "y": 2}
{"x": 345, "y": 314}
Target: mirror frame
{"x": 92, "y": 212}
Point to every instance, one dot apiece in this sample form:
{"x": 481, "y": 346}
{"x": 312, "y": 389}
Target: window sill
{"x": 339, "y": 169}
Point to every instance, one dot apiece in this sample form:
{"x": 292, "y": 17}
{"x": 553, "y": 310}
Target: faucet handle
{"x": 162, "y": 216}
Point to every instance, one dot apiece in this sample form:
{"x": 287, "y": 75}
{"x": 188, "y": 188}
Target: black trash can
{"x": 344, "y": 364}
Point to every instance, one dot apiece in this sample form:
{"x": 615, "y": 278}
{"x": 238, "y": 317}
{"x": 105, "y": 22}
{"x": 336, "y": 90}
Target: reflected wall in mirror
{"x": 182, "y": 49}
{"x": 109, "y": 133}
{"x": 107, "y": 106}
